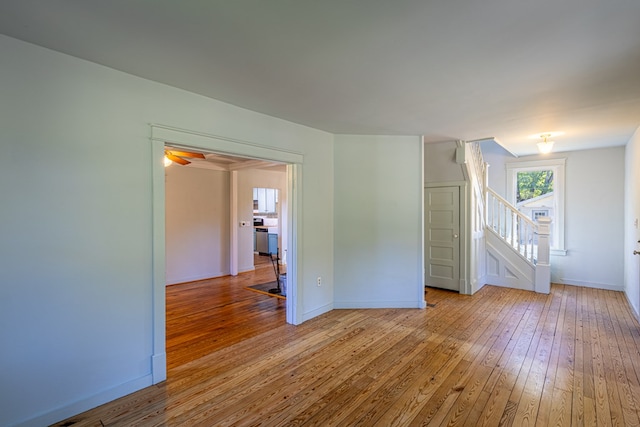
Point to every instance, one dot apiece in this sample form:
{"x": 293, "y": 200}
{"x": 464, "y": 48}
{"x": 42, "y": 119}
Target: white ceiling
{"x": 445, "y": 69}
{"x": 225, "y": 162}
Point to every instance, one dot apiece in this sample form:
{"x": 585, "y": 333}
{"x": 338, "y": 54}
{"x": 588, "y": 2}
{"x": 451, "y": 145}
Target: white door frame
{"x": 161, "y": 135}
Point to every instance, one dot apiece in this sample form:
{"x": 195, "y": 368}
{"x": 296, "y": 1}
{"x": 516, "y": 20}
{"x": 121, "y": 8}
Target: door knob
{"x": 455, "y": 236}
{"x": 636, "y": 252}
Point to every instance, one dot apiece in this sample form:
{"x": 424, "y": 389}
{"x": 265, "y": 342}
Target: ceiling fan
{"x": 176, "y": 156}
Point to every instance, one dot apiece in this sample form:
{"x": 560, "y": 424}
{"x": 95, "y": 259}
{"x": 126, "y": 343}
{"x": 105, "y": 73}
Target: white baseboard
{"x": 378, "y": 304}
{"x": 497, "y": 281}
{"x": 187, "y": 279}
{"x": 478, "y": 284}
{"x": 86, "y": 404}
{"x": 159, "y": 367}
{"x": 633, "y": 310}
{"x": 246, "y": 268}
{"x": 609, "y": 287}
{"x": 317, "y": 312}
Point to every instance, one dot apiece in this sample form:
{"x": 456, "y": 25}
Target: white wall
{"x": 440, "y": 162}
{"x": 378, "y": 222}
{"x": 198, "y": 220}
{"x": 76, "y": 318}
{"x": 594, "y": 214}
{"x": 197, "y": 223}
{"x": 631, "y": 218}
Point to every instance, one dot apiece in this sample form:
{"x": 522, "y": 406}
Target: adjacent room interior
{"x": 208, "y": 306}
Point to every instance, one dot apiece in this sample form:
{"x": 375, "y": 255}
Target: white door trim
{"x": 463, "y": 219}
{"x": 443, "y": 269}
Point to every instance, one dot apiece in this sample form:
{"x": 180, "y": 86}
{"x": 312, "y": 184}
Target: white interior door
{"x": 442, "y": 237}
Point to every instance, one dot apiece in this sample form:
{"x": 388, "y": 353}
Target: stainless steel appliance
{"x": 262, "y": 240}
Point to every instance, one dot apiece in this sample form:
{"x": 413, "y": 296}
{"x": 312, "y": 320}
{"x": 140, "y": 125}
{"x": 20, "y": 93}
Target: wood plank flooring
{"x": 209, "y": 315}
{"x": 502, "y": 357}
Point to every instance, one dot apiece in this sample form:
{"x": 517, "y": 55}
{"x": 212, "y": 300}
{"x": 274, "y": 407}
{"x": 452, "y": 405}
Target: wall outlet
{"x": 319, "y": 281}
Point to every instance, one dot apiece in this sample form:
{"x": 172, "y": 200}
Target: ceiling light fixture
{"x": 167, "y": 161}
{"x": 545, "y": 146}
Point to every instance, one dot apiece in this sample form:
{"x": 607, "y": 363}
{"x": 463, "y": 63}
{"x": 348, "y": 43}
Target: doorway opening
{"x": 211, "y": 304}
{"x": 217, "y": 146}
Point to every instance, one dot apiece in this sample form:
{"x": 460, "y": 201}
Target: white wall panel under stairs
{"x": 505, "y": 266}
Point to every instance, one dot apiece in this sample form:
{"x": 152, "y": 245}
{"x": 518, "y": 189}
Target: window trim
{"x": 558, "y": 168}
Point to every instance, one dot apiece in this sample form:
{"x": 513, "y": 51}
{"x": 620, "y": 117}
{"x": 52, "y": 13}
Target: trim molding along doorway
{"x": 182, "y": 138}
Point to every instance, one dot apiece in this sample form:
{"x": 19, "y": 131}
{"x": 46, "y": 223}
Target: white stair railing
{"x": 528, "y": 239}
{"x": 511, "y": 225}
{"x": 479, "y": 165}
{"x": 477, "y": 172}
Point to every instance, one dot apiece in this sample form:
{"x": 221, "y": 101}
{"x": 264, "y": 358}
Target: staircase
{"x": 515, "y": 229}
{"x": 516, "y": 249}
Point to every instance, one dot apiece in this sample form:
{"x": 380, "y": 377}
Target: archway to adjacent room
{"x": 180, "y": 138}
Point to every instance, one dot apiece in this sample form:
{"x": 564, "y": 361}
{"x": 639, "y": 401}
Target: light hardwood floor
{"x": 500, "y": 357}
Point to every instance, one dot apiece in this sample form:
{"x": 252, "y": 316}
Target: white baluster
{"x": 526, "y": 240}
{"x": 499, "y": 230}
{"x": 518, "y": 232}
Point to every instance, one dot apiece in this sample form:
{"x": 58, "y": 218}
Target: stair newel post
{"x": 543, "y": 267}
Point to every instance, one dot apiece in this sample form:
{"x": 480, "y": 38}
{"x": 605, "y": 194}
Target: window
{"x": 537, "y": 189}
{"x": 538, "y": 213}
